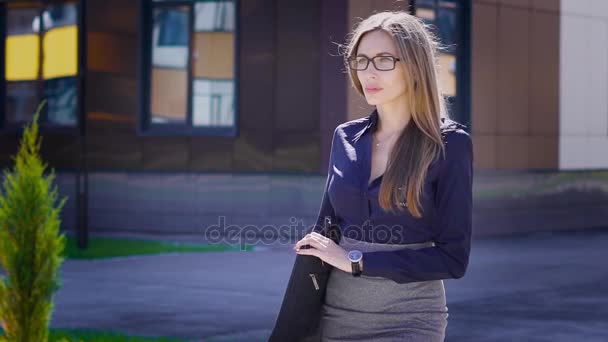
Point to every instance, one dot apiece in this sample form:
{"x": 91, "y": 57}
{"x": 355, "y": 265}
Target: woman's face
{"x": 380, "y": 87}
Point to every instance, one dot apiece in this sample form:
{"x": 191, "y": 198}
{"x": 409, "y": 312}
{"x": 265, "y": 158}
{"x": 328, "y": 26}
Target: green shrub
{"x": 30, "y": 243}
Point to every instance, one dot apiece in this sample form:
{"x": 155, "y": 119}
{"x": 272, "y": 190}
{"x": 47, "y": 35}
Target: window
{"x": 449, "y": 21}
{"x": 40, "y": 62}
{"x": 189, "y": 67}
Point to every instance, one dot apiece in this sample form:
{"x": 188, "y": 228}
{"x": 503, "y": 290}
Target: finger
{"x": 301, "y": 242}
{"x": 319, "y": 240}
{"x": 312, "y": 241}
{"x": 324, "y": 240}
{"x": 312, "y": 252}
{"x": 317, "y": 243}
{"x": 316, "y": 235}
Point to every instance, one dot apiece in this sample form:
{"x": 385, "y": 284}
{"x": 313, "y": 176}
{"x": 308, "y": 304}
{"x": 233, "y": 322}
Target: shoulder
{"x": 454, "y": 135}
{"x": 350, "y": 131}
{"x": 354, "y": 123}
{"x": 458, "y": 146}
{"x": 448, "y": 125}
{"x": 351, "y": 127}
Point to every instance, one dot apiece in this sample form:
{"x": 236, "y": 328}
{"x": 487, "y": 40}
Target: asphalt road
{"x": 535, "y": 287}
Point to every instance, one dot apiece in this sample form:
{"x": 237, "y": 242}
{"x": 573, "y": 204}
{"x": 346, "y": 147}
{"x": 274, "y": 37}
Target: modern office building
{"x": 167, "y": 114}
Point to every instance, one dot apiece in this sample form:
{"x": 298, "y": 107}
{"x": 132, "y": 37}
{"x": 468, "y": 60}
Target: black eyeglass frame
{"x": 354, "y": 58}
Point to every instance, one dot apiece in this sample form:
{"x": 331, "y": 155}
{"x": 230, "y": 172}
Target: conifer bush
{"x": 31, "y": 245}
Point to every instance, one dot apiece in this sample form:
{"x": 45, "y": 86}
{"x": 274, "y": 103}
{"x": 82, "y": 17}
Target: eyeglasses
{"x": 382, "y": 63}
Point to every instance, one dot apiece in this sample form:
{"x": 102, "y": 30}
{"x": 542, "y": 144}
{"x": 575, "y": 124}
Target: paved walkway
{"x": 537, "y": 287}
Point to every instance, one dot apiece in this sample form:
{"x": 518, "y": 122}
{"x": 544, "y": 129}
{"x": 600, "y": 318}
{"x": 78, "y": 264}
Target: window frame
{"x": 46, "y": 127}
{"x": 144, "y": 126}
{"x": 461, "y": 106}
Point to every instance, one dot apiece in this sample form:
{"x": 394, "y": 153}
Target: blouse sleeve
{"x": 450, "y": 256}
{"x": 326, "y": 207}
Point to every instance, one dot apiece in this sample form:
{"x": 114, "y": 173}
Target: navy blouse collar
{"x": 447, "y": 125}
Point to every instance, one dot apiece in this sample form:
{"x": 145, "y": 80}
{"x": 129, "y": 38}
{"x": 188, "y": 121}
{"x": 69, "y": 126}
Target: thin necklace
{"x": 378, "y": 143}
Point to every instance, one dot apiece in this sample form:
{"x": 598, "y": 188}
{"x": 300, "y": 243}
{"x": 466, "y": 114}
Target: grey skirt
{"x": 379, "y": 309}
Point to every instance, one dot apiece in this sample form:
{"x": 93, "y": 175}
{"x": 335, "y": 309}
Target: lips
{"x": 372, "y": 89}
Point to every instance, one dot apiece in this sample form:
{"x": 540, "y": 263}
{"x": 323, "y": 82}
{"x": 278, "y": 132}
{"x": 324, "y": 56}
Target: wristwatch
{"x": 355, "y": 257}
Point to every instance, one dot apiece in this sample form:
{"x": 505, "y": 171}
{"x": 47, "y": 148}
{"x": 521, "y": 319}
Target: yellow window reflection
{"x": 22, "y": 57}
{"x": 60, "y": 52}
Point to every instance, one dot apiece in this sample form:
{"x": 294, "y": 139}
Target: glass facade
{"x": 41, "y": 62}
{"x": 446, "y": 20}
{"x": 192, "y": 71}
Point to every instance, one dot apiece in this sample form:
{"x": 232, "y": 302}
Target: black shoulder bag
{"x": 300, "y": 313}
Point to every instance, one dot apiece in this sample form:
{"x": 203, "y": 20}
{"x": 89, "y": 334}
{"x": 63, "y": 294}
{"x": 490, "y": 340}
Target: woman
{"x": 400, "y": 186}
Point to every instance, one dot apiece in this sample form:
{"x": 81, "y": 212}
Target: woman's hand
{"x": 325, "y": 249}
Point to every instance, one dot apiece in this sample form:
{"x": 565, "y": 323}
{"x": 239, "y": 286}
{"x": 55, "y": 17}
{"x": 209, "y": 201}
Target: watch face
{"x": 355, "y": 256}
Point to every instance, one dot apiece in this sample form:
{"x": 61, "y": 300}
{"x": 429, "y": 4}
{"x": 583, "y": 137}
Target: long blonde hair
{"x": 420, "y": 144}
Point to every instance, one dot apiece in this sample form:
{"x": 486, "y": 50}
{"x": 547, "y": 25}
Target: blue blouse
{"x": 446, "y": 204}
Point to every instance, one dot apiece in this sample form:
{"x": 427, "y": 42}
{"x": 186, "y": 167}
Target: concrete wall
{"x": 583, "y": 115}
{"x": 515, "y": 84}
{"x": 504, "y": 202}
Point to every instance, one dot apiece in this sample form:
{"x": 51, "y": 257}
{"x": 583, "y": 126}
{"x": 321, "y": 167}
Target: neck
{"x": 392, "y": 116}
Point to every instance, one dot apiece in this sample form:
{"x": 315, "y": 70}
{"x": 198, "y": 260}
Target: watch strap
{"x": 356, "y": 269}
